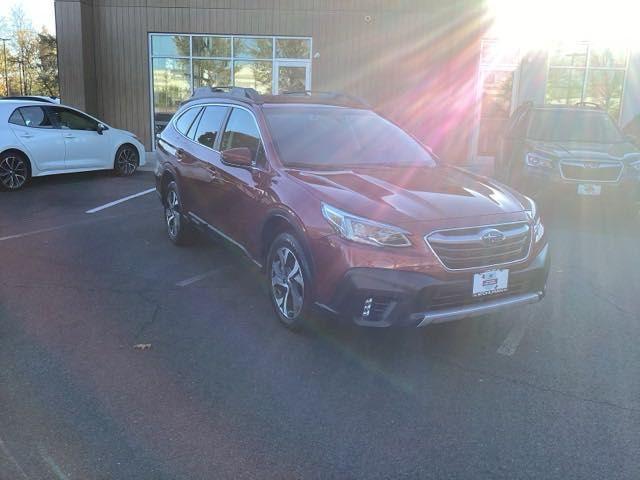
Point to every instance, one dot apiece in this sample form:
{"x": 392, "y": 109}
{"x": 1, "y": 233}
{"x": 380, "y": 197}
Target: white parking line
{"x": 197, "y": 278}
{"x": 13, "y": 460}
{"x": 514, "y": 337}
{"x": 116, "y": 202}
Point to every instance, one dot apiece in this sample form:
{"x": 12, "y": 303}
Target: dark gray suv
{"x": 576, "y": 150}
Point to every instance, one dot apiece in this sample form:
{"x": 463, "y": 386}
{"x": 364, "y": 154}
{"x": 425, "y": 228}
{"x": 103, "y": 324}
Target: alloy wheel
{"x": 287, "y": 283}
{"x": 13, "y": 172}
{"x": 171, "y": 213}
{"x": 127, "y": 161}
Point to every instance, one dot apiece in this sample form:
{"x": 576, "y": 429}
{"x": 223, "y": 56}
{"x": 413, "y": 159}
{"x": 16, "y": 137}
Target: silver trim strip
{"x": 484, "y": 267}
{"x": 225, "y": 236}
{"x": 458, "y": 313}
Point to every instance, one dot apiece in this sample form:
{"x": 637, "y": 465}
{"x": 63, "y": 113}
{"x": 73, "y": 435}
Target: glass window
{"x": 212, "y": 47}
{"x": 604, "y": 87}
{"x": 257, "y": 75}
{"x": 564, "y": 86}
{"x": 171, "y": 85}
{"x": 241, "y": 131}
{"x": 35, "y": 117}
{"x": 292, "y": 78}
{"x": 569, "y": 55}
{"x": 209, "y": 125}
{"x": 608, "y": 58}
{"x": 186, "y": 119}
{"x": 70, "y": 119}
{"x": 211, "y": 73}
{"x": 170, "y": 45}
{"x": 334, "y": 137}
{"x": 248, "y": 47}
{"x": 16, "y": 117}
{"x": 293, "y": 48}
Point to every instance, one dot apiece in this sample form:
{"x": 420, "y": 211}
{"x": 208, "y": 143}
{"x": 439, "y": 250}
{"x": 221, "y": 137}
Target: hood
{"x": 410, "y": 194}
{"x": 582, "y": 150}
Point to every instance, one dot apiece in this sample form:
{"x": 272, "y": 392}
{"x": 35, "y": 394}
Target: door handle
{"x": 26, "y": 135}
{"x": 68, "y": 135}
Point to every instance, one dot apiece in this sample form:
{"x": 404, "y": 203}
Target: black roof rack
{"x": 588, "y": 104}
{"x": 251, "y": 95}
{"x": 330, "y": 95}
{"x": 227, "y": 90}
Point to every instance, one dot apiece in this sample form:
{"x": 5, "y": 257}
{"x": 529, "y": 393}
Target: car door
{"x": 200, "y": 162}
{"x": 42, "y": 142}
{"x": 86, "y": 147}
{"x": 242, "y": 188}
{"x": 512, "y": 143}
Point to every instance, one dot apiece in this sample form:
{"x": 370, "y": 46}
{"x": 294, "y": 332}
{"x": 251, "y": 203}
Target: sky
{"x": 40, "y": 12}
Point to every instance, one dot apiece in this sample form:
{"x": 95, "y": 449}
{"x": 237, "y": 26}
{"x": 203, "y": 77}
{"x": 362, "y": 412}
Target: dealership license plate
{"x": 589, "y": 189}
{"x": 488, "y": 283}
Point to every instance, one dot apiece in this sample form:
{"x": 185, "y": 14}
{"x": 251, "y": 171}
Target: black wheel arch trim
{"x": 298, "y": 229}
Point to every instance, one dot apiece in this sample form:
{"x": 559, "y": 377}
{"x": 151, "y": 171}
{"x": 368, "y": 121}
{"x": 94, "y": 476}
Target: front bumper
{"x": 549, "y": 183}
{"x": 377, "y": 297}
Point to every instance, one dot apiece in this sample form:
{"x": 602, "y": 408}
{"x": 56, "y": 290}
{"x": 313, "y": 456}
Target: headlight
{"x": 635, "y": 165}
{"x": 361, "y": 230}
{"x": 538, "y": 226}
{"x": 537, "y": 160}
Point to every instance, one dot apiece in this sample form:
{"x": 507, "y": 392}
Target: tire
{"x": 15, "y": 171}
{"x": 179, "y": 230}
{"x": 126, "y": 161}
{"x": 289, "y": 280}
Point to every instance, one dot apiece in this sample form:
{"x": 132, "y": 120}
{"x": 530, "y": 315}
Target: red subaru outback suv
{"x": 346, "y": 212}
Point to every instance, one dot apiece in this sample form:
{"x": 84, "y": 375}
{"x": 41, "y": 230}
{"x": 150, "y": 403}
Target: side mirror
{"x": 238, "y": 157}
{"x": 101, "y": 128}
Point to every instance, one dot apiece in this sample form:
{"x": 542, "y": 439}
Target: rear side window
{"x": 209, "y": 125}
{"x": 35, "y": 117}
{"x": 73, "y": 120}
{"x": 186, "y": 119}
{"x": 16, "y": 117}
{"x": 241, "y": 131}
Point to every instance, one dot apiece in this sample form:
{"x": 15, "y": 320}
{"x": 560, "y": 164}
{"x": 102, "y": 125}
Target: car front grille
{"x": 591, "y": 171}
{"x": 478, "y": 247}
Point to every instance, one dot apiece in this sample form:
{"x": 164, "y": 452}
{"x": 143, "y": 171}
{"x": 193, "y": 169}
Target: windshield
{"x": 330, "y": 137}
{"x": 573, "y": 126}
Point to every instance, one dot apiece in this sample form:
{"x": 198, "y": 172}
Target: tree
{"x": 31, "y": 57}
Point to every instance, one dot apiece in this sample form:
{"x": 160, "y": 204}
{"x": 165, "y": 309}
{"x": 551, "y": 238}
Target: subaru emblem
{"x": 492, "y": 236}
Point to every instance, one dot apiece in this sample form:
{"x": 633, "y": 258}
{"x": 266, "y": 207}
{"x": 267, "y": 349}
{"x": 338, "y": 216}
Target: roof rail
{"x": 333, "y": 95}
{"x": 248, "y": 93}
{"x": 588, "y": 104}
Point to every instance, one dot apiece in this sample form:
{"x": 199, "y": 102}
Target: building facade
{"x": 430, "y": 65}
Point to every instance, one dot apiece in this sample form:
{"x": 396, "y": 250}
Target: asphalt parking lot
{"x": 548, "y": 391}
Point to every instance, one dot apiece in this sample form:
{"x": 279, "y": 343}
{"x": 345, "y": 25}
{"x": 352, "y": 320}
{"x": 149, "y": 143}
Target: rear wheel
{"x": 289, "y": 278}
{"x": 14, "y": 171}
{"x": 126, "y": 161}
{"x": 179, "y": 230}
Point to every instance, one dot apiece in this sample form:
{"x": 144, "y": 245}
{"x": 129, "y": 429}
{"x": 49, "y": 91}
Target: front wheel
{"x": 14, "y": 171}
{"x": 289, "y": 278}
{"x": 126, "y": 161}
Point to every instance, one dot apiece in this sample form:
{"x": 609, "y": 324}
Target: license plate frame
{"x": 589, "y": 189}
{"x": 490, "y": 282}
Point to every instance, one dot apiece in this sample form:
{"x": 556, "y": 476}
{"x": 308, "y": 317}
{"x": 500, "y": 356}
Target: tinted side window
{"x": 16, "y": 117}
{"x": 209, "y": 125}
{"x": 186, "y": 119}
{"x": 241, "y": 131}
{"x": 73, "y": 120}
{"x": 35, "y": 117}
